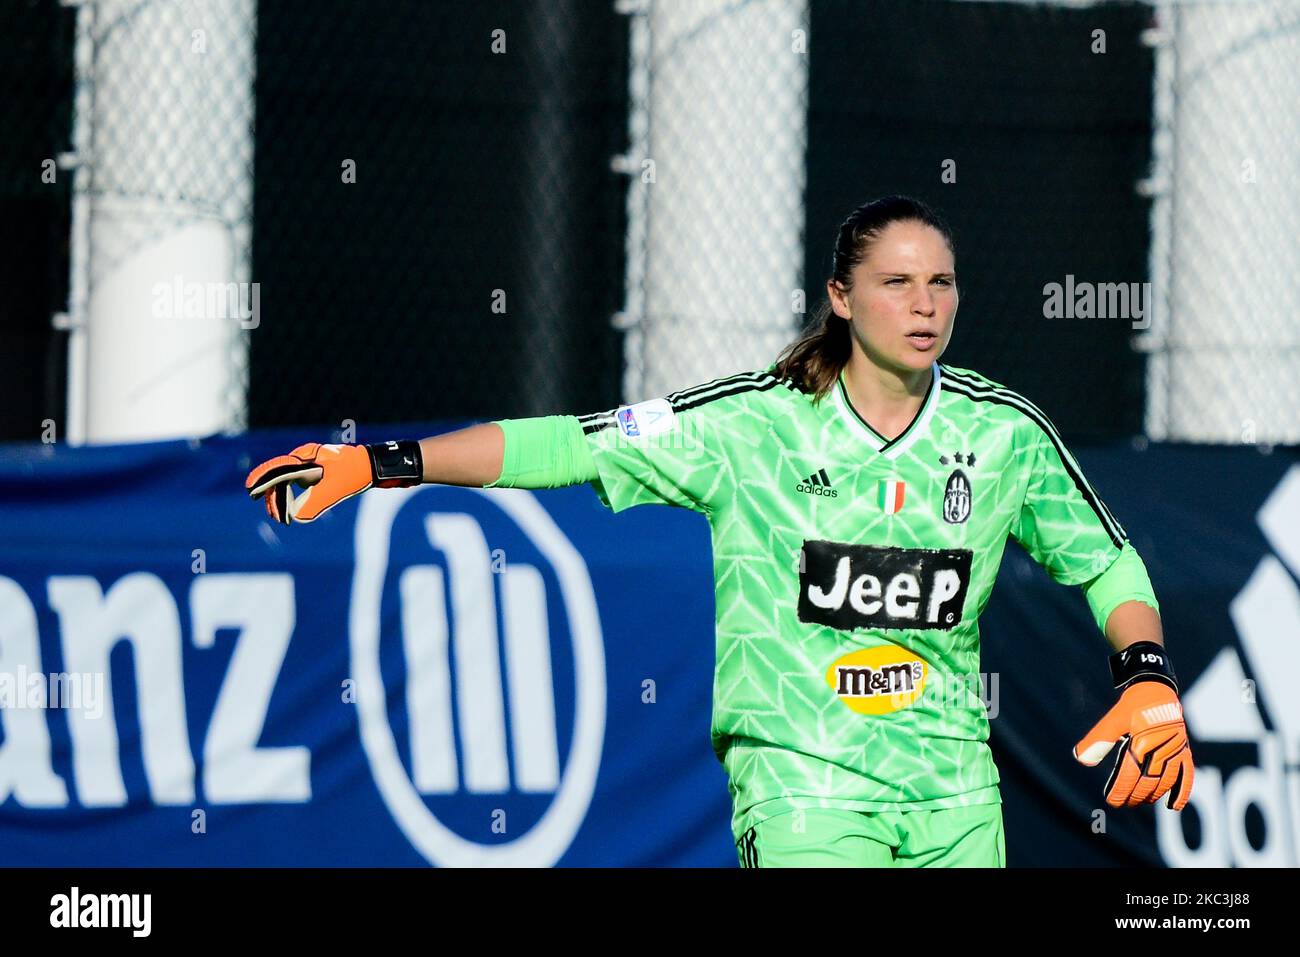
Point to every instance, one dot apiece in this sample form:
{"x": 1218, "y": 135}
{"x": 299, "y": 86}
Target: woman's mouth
{"x": 924, "y": 341}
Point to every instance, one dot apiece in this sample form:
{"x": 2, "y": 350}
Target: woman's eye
{"x": 944, "y": 282}
{"x": 890, "y": 282}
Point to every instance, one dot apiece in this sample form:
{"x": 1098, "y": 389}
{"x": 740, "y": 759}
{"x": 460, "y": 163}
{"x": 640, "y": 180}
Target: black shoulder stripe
{"x": 974, "y": 383}
{"x": 1038, "y": 416}
{"x": 1015, "y": 400}
{"x": 596, "y": 421}
{"x": 737, "y": 389}
{"x": 689, "y": 398}
{"x": 1011, "y": 399}
{"x": 696, "y": 390}
{"x": 599, "y": 422}
{"x": 1006, "y": 397}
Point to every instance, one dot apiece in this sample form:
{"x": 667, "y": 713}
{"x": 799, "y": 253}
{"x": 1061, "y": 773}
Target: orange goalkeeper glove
{"x": 330, "y": 474}
{"x": 1154, "y": 756}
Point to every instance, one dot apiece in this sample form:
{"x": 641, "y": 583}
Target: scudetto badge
{"x": 956, "y": 498}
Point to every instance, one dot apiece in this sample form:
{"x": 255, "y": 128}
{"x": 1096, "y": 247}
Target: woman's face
{"x": 904, "y": 298}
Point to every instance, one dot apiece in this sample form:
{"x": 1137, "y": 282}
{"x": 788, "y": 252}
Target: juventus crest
{"x": 957, "y": 493}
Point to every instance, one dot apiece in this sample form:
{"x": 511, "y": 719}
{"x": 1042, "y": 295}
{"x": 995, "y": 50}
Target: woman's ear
{"x": 838, "y": 298}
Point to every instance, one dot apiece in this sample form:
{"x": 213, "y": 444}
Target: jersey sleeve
{"x": 1063, "y": 523}
{"x": 663, "y": 451}
{"x": 1125, "y": 580}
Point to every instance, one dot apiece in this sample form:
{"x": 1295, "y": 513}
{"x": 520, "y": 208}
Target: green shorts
{"x": 829, "y": 837}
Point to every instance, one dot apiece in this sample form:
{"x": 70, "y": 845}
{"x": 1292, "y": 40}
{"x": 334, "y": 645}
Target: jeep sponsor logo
{"x": 878, "y": 680}
{"x": 866, "y": 586}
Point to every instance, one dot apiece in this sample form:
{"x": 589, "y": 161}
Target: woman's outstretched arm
{"x": 548, "y": 451}
{"x": 542, "y": 452}
{"x": 472, "y": 456}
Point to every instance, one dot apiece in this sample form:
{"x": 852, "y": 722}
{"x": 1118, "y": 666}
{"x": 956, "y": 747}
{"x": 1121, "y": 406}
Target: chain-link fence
{"x": 1224, "y": 342}
{"x": 1122, "y": 179}
{"x": 438, "y": 229}
{"x": 419, "y": 218}
{"x": 162, "y": 150}
{"x": 500, "y": 209}
{"x": 717, "y": 138}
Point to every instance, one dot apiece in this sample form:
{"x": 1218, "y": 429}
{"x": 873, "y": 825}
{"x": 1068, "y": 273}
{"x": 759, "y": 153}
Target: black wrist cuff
{"x": 1142, "y": 661}
{"x": 396, "y": 462}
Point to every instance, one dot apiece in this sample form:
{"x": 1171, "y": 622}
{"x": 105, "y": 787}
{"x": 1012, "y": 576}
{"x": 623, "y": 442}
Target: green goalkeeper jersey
{"x": 850, "y": 572}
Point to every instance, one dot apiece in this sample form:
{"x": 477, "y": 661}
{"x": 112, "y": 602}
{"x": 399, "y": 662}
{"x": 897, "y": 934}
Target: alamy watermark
{"x": 1098, "y": 300}
{"x": 36, "y": 689}
{"x": 179, "y": 299}
{"x": 944, "y": 692}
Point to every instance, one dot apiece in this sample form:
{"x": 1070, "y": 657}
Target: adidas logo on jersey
{"x": 818, "y": 483}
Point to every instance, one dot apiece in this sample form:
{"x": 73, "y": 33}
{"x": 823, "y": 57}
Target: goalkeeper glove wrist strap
{"x": 396, "y": 464}
{"x": 1142, "y": 661}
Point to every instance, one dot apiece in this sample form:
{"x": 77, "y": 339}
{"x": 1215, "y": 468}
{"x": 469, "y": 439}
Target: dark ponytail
{"x": 814, "y": 360}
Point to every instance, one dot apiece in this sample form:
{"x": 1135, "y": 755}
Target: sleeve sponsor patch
{"x": 652, "y": 417}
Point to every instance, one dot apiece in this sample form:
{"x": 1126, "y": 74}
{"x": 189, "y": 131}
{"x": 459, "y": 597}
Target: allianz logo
{"x": 472, "y": 643}
{"x": 1223, "y": 705}
{"x": 140, "y": 609}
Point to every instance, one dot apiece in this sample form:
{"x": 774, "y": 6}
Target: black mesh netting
{"x": 481, "y": 177}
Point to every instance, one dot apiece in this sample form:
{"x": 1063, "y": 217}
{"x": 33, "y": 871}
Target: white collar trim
{"x": 917, "y": 428}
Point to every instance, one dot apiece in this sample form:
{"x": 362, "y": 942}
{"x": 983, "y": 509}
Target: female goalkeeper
{"x": 860, "y": 495}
